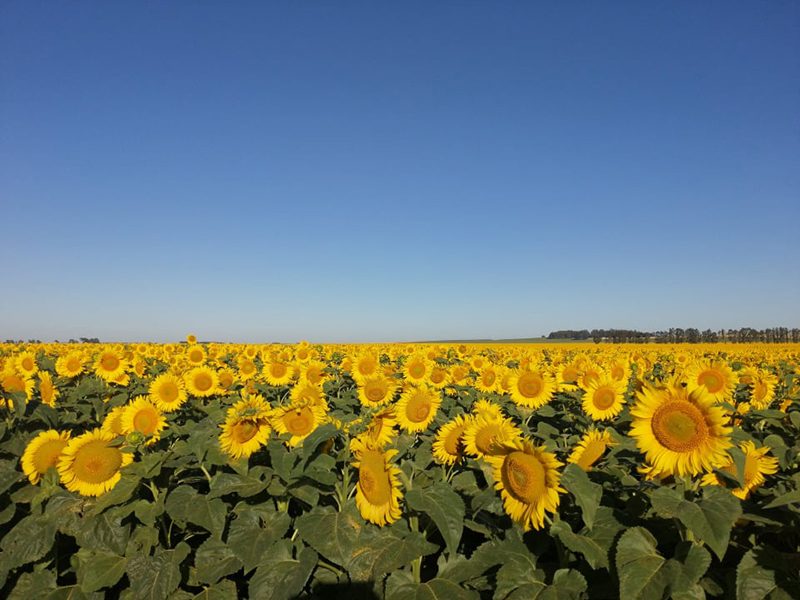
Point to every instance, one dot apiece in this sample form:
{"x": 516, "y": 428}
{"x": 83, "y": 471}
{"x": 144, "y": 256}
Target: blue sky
{"x": 353, "y": 171}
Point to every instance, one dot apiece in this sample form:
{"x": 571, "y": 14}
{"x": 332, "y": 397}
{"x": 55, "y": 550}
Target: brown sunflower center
{"x": 244, "y": 431}
{"x": 523, "y": 476}
{"x": 679, "y": 426}
{"x": 96, "y": 462}
{"x": 452, "y": 442}
{"x": 47, "y": 455}
{"x": 375, "y": 391}
{"x": 417, "y": 370}
{"x": 203, "y": 382}
{"x": 168, "y": 392}
{"x": 196, "y": 356}
{"x": 373, "y": 478}
{"x": 712, "y": 380}
{"x": 145, "y": 421}
{"x": 109, "y": 363}
{"x": 489, "y": 378}
{"x": 603, "y": 398}
{"x": 247, "y": 368}
{"x": 418, "y": 409}
{"x": 570, "y": 375}
{"x": 27, "y": 363}
{"x": 73, "y": 364}
{"x": 300, "y": 421}
{"x": 530, "y": 385}
{"x": 486, "y": 436}
{"x": 277, "y": 370}
{"x": 760, "y": 390}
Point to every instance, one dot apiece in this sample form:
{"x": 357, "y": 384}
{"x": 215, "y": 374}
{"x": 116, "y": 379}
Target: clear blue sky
{"x": 377, "y": 171}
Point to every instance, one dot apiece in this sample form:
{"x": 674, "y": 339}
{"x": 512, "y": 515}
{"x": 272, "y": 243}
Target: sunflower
{"x": 376, "y": 390}
{"x": 531, "y": 389}
{"x": 112, "y": 423}
{"x": 90, "y": 465}
{"x": 13, "y": 382}
{"x": 305, "y": 392}
{"x": 378, "y": 489}
{"x": 620, "y": 370}
{"x": 201, "y": 382}
{"x": 365, "y": 365}
{"x": 277, "y": 372}
{"x": 109, "y": 365}
{"x": 298, "y": 420}
{"x": 417, "y": 408}
{"x": 438, "y": 378}
{"x": 196, "y": 355}
{"x": 191, "y": 339}
{"x": 70, "y": 366}
{"x": 488, "y": 379}
{"x": 42, "y": 453}
{"x": 247, "y": 368}
{"x": 246, "y": 427}
{"x": 488, "y": 409}
{"x": 25, "y": 363}
{"x": 762, "y": 387}
{"x": 590, "y": 449}
{"x": 680, "y": 432}
{"x": 167, "y": 392}
{"x": 485, "y": 434}
{"x": 416, "y": 369}
{"x": 380, "y": 430}
{"x": 313, "y": 371}
{"x": 448, "y": 448}
{"x": 143, "y": 416}
{"x": 756, "y": 466}
{"x": 528, "y": 480}
{"x": 713, "y": 376}
{"x": 226, "y": 377}
{"x": 47, "y": 391}
{"x": 568, "y": 375}
{"x": 604, "y": 398}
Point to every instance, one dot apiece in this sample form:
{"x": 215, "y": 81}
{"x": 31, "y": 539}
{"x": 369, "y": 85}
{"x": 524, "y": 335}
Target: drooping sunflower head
{"x": 604, "y": 398}
{"x": 590, "y": 449}
{"x": 448, "y": 448}
{"x": 168, "y": 392}
{"x": 47, "y": 391}
{"x": 757, "y": 464}
{"x": 246, "y": 428}
{"x": 680, "y": 432}
{"x": 417, "y": 408}
{"x": 14, "y": 382}
{"x": 90, "y": 464}
{"x": 226, "y": 377}
{"x": 143, "y": 416}
{"x": 762, "y": 389}
{"x": 378, "y": 490}
{"x": 380, "y": 430}
{"x": 42, "y": 453}
{"x": 487, "y": 408}
{"x": 305, "y": 392}
{"x": 528, "y": 479}
{"x": 112, "y": 423}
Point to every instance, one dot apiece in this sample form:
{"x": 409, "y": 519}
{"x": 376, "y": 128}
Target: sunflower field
{"x": 399, "y": 471}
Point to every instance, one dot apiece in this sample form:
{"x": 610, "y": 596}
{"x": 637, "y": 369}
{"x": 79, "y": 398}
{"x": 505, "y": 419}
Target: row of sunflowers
{"x": 464, "y": 471}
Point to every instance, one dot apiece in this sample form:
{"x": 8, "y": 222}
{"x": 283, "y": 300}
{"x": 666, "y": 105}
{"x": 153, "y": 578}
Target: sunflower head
{"x": 43, "y": 452}
{"x": 378, "y": 490}
{"x": 144, "y": 417}
{"x": 448, "y": 447}
{"x": 90, "y": 464}
{"x": 590, "y": 449}
{"x": 417, "y": 408}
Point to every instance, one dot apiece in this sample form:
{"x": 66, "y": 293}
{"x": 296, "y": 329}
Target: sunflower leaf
{"x": 215, "y": 560}
{"x": 445, "y": 508}
{"x": 224, "y": 590}
{"x": 155, "y": 577}
{"x": 586, "y": 493}
{"x": 98, "y": 569}
{"x": 279, "y": 575}
{"x": 764, "y": 573}
{"x": 401, "y": 586}
{"x": 596, "y": 556}
{"x": 29, "y": 540}
{"x": 251, "y": 535}
{"x": 642, "y": 571}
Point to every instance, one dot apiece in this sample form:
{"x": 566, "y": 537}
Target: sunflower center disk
{"x": 203, "y": 383}
{"x": 300, "y": 422}
{"x": 530, "y": 385}
{"x": 144, "y": 421}
{"x": 110, "y": 363}
{"x": 47, "y": 455}
{"x": 244, "y": 431}
{"x": 96, "y": 462}
{"x": 417, "y": 371}
{"x": 418, "y": 409}
{"x": 453, "y": 441}
{"x": 523, "y": 476}
{"x": 485, "y": 438}
{"x": 168, "y": 392}
{"x": 373, "y": 479}
{"x": 375, "y": 392}
{"x": 711, "y": 380}
{"x": 603, "y": 398}
{"x": 679, "y": 426}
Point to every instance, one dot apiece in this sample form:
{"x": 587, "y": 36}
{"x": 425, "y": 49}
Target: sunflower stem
{"x": 206, "y": 473}
{"x": 331, "y": 568}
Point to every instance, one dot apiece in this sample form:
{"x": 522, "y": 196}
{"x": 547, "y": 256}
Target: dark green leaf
{"x": 224, "y": 590}
{"x": 444, "y": 507}
{"x": 28, "y": 541}
{"x": 792, "y": 497}
{"x": 155, "y": 577}
{"x": 643, "y": 572}
{"x": 250, "y": 536}
{"x": 596, "y": 556}
{"x": 99, "y": 569}
{"x": 215, "y": 560}
{"x": 587, "y": 494}
{"x": 279, "y": 576}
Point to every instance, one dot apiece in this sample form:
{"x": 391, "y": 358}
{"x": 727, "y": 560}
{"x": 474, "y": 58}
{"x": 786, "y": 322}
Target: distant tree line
{"x": 676, "y": 335}
{"x": 83, "y": 340}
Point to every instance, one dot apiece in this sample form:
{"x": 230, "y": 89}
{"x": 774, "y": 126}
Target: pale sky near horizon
{"x": 344, "y": 172}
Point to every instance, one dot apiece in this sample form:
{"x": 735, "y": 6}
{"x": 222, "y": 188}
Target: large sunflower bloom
{"x": 90, "y": 466}
{"x": 417, "y": 408}
{"x": 756, "y": 466}
{"x": 680, "y": 432}
{"x": 532, "y": 389}
{"x": 590, "y": 449}
{"x": 604, "y": 398}
{"x": 300, "y": 421}
{"x": 201, "y": 382}
{"x": 378, "y": 491}
{"x": 277, "y": 372}
{"x": 70, "y": 366}
{"x": 109, "y": 365}
{"x": 449, "y": 448}
{"x": 42, "y": 453}
{"x": 376, "y": 390}
{"x": 143, "y": 416}
{"x": 715, "y": 377}
{"x": 485, "y": 434}
{"x": 246, "y": 427}
{"x": 168, "y": 392}
{"x": 528, "y": 480}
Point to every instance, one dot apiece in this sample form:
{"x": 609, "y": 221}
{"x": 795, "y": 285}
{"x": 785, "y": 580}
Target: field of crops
{"x": 403, "y": 472}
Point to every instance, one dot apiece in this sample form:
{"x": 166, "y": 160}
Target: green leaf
{"x": 383, "y": 552}
{"x": 792, "y": 497}
{"x": 215, "y": 560}
{"x": 98, "y": 569}
{"x": 118, "y": 495}
{"x": 444, "y": 507}
{"x": 518, "y": 576}
{"x": 28, "y": 541}
{"x": 596, "y": 556}
{"x": 9, "y": 475}
{"x": 251, "y": 535}
{"x": 155, "y": 577}
{"x": 643, "y": 572}
{"x": 224, "y": 590}
{"x": 333, "y": 534}
{"x": 757, "y": 578}
{"x": 279, "y": 576}
{"x": 321, "y": 434}
{"x": 587, "y": 494}
{"x": 568, "y": 584}
{"x": 401, "y": 586}
{"x": 209, "y": 514}
{"x": 710, "y": 519}
{"x": 33, "y": 585}
{"x": 232, "y": 483}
